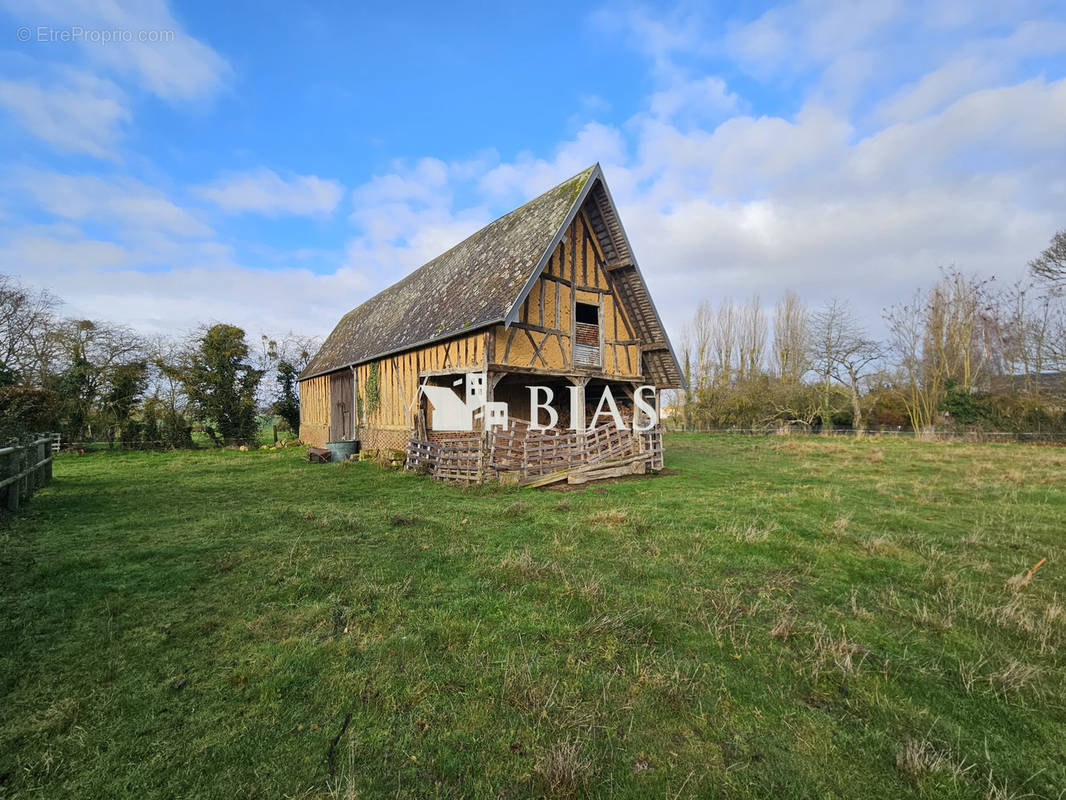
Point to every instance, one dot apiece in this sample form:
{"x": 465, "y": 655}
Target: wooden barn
{"x": 548, "y": 295}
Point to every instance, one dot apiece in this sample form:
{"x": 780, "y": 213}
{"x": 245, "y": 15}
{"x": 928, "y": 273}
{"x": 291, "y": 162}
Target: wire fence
{"x": 1024, "y": 437}
{"x": 197, "y": 443}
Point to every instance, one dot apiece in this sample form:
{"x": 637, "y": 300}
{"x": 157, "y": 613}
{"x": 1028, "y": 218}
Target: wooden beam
{"x": 570, "y": 374}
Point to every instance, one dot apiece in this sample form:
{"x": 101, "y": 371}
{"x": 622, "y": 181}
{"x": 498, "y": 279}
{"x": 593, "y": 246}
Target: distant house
{"x": 549, "y": 294}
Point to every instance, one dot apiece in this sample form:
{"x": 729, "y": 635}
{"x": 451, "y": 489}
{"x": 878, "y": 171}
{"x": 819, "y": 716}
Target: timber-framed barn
{"x": 549, "y": 294}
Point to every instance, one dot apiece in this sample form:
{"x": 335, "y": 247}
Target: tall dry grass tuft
{"x": 1014, "y": 677}
{"x": 832, "y": 654}
{"x": 564, "y": 768}
{"x": 916, "y": 759}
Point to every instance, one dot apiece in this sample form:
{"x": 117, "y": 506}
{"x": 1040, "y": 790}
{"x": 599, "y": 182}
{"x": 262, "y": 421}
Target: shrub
{"x": 25, "y": 411}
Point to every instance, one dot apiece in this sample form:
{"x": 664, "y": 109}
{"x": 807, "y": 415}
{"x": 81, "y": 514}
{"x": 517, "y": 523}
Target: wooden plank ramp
{"x": 600, "y": 470}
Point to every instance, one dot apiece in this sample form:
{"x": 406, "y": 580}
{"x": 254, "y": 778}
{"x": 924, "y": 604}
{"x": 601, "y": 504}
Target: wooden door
{"x": 342, "y": 407}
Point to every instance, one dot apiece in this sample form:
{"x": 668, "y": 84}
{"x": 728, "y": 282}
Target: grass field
{"x": 775, "y": 617}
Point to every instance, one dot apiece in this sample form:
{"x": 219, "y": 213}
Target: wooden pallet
{"x": 459, "y": 460}
{"x": 422, "y": 455}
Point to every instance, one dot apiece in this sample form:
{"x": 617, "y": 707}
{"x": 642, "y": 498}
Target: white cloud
{"x": 703, "y": 97}
{"x": 528, "y": 176}
{"x": 177, "y": 68}
{"x": 121, "y": 203}
{"x": 800, "y": 35}
{"x": 936, "y": 89}
{"x": 263, "y": 191}
{"x": 76, "y": 113}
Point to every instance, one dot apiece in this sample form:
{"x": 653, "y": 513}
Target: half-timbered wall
{"x": 397, "y": 387}
{"x": 314, "y": 411}
{"x": 398, "y": 378}
{"x": 543, "y": 335}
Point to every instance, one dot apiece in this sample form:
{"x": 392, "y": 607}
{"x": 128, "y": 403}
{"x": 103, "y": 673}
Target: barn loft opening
{"x": 587, "y": 335}
{"x": 588, "y": 314}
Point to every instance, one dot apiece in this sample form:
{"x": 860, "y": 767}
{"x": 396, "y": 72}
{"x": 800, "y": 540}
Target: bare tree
{"x": 751, "y": 339}
{"x": 960, "y": 329}
{"x": 27, "y": 320}
{"x": 696, "y": 339}
{"x": 945, "y": 338}
{"x": 841, "y": 353}
{"x": 921, "y": 393}
{"x": 1050, "y": 265}
{"x": 791, "y": 338}
{"x": 1026, "y": 320}
{"x": 724, "y": 343}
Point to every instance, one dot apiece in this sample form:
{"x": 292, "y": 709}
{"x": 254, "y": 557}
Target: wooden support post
{"x": 483, "y": 455}
{"x": 579, "y": 423}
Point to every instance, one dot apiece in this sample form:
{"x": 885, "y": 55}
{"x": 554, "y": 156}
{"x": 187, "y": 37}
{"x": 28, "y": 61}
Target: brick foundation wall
{"x": 376, "y": 439}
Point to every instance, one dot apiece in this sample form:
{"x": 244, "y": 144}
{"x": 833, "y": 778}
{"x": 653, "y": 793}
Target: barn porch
{"x": 512, "y": 449}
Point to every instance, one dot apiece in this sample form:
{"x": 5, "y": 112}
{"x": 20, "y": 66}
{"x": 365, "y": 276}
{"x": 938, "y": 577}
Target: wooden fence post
{"x": 24, "y": 468}
{"x": 13, "y": 488}
{"x": 31, "y": 469}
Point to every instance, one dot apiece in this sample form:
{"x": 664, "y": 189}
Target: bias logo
{"x": 450, "y": 413}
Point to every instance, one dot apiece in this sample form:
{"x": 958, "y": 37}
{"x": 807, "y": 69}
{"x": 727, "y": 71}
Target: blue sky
{"x": 274, "y": 165}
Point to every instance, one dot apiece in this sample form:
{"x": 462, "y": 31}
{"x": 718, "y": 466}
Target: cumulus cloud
{"x": 263, "y": 191}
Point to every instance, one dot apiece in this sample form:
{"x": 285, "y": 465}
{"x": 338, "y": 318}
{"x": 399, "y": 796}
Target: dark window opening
{"x": 588, "y": 314}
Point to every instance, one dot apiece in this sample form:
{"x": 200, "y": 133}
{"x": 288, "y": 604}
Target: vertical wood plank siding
{"x": 314, "y": 411}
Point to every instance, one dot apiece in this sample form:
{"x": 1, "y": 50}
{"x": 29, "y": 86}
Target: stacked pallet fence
{"x": 422, "y": 456}
{"x": 24, "y": 469}
{"x": 527, "y": 454}
{"x": 551, "y": 451}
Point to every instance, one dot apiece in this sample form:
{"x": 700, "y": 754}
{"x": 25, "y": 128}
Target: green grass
{"x": 775, "y": 617}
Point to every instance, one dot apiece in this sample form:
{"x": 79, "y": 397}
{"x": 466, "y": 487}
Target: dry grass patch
{"x": 830, "y": 653}
{"x": 522, "y": 565}
{"x": 840, "y": 525}
{"x": 783, "y": 628}
{"x": 754, "y": 532}
{"x": 564, "y": 768}
{"x": 882, "y": 546}
{"x": 916, "y": 759}
{"x": 609, "y": 518}
{"x": 58, "y": 717}
{"x": 1015, "y": 676}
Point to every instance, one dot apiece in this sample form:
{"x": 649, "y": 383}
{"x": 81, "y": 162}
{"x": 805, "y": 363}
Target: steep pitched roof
{"x": 484, "y": 280}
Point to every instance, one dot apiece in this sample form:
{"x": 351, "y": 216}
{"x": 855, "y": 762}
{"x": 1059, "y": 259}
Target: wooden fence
{"x": 529, "y": 455}
{"x": 24, "y": 469}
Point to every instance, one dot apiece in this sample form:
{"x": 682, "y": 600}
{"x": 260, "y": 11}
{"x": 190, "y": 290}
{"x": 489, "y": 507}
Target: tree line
{"x": 963, "y": 353}
{"x": 92, "y": 380}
